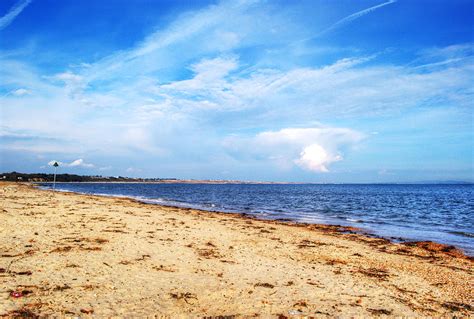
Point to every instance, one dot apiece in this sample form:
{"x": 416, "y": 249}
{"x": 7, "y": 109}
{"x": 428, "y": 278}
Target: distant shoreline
{"x": 253, "y": 183}
{"x": 73, "y": 178}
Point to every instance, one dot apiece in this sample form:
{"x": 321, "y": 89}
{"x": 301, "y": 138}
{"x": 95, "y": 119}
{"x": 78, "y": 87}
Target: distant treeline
{"x": 39, "y": 177}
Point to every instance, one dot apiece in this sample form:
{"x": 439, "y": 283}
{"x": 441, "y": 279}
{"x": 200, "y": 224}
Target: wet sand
{"x": 74, "y": 255}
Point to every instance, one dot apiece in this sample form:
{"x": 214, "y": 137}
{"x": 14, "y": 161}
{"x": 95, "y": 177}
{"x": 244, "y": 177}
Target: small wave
{"x": 354, "y": 220}
{"x": 462, "y": 233}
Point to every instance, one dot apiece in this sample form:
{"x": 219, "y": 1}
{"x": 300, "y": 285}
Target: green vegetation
{"x": 40, "y": 177}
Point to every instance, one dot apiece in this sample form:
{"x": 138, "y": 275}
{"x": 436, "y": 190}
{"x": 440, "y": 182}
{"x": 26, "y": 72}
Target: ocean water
{"x": 441, "y": 213}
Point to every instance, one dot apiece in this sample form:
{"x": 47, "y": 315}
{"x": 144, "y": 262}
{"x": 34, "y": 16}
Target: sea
{"x": 441, "y": 213}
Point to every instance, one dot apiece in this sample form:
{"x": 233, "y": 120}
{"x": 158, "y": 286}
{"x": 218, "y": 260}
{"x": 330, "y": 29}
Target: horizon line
{"x": 237, "y": 181}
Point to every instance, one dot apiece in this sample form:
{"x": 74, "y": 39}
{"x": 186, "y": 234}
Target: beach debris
{"x": 20, "y": 313}
{"x": 81, "y": 246}
{"x": 112, "y": 230}
{"x": 61, "y": 249}
{"x": 293, "y": 312}
{"x": 208, "y": 253}
{"x": 61, "y": 288}
{"x": 357, "y": 303}
{"x": 322, "y": 313}
{"x": 128, "y": 262}
{"x": 381, "y": 274}
{"x": 457, "y": 306}
{"x": 22, "y": 273}
{"x": 87, "y": 311}
{"x": 404, "y": 290}
{"x": 433, "y": 247}
{"x": 264, "y": 285}
{"x": 90, "y": 287}
{"x": 20, "y": 293}
{"x": 305, "y": 243}
{"x": 183, "y": 296}
{"x": 90, "y": 240}
{"x": 333, "y": 262}
{"x": 143, "y": 257}
{"x": 163, "y": 268}
{"x": 301, "y": 303}
{"x": 312, "y": 283}
{"x": 93, "y": 248}
{"x": 16, "y": 294}
{"x": 379, "y": 311}
{"x": 10, "y": 255}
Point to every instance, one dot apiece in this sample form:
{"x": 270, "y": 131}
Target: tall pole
{"x": 55, "y": 168}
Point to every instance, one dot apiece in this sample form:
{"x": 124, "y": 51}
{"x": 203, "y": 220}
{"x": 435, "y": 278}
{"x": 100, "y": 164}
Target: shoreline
{"x": 74, "y": 254}
{"x": 427, "y": 244}
{"x": 223, "y": 182}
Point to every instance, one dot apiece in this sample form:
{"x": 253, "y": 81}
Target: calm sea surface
{"x": 442, "y": 213}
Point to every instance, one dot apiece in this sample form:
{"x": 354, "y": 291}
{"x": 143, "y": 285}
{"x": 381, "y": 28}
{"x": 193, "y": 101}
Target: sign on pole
{"x": 55, "y": 168}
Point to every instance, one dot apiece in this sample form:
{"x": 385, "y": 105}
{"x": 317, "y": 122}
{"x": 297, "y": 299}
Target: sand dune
{"x": 74, "y": 255}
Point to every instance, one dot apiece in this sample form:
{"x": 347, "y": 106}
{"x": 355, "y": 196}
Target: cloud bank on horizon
{"x": 239, "y": 90}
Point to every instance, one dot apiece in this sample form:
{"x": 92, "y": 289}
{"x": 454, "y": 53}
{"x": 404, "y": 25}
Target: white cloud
{"x": 68, "y": 77}
{"x": 20, "y": 92}
{"x": 315, "y": 158}
{"x": 345, "y": 88}
{"x": 80, "y": 162}
{"x": 74, "y": 84}
{"x": 133, "y": 170}
{"x": 143, "y": 100}
{"x": 312, "y": 149}
{"x": 76, "y": 163}
{"x": 209, "y": 75}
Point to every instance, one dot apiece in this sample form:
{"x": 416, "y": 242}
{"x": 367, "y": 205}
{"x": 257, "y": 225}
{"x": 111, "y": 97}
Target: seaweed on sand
{"x": 183, "y": 296}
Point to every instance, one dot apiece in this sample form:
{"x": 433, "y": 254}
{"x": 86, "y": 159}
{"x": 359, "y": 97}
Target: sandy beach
{"x": 73, "y": 255}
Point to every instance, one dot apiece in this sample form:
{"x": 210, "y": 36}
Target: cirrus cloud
{"x": 179, "y": 94}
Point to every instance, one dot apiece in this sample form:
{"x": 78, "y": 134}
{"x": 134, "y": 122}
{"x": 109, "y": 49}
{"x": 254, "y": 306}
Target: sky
{"x": 300, "y": 91}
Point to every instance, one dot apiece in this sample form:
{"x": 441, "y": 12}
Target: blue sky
{"x": 311, "y": 91}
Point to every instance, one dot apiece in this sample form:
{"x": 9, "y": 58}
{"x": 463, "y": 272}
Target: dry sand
{"x": 73, "y": 255}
